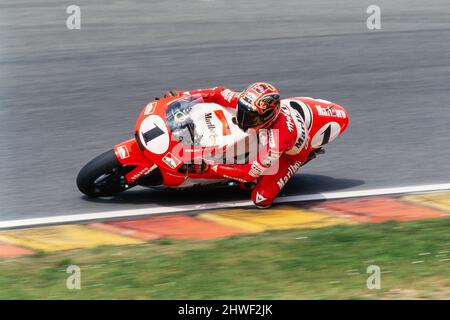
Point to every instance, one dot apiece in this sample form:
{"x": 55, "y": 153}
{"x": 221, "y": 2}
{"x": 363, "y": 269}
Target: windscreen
{"x": 178, "y": 115}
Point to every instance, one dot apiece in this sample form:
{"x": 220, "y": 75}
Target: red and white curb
{"x": 86, "y": 217}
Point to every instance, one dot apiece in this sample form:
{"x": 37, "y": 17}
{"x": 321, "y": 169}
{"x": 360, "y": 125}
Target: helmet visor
{"x": 249, "y": 118}
{"x": 246, "y": 117}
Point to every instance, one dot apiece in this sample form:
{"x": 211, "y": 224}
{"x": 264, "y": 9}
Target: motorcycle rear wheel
{"x": 103, "y": 176}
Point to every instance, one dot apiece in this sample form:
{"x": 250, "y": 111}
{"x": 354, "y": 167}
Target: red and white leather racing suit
{"x": 284, "y": 153}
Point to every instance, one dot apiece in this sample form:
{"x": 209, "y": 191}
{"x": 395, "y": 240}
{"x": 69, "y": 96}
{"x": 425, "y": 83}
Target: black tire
{"x": 103, "y": 176}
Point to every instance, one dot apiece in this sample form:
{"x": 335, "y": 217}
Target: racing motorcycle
{"x": 174, "y": 135}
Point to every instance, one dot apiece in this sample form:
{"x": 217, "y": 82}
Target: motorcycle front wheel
{"x": 103, "y": 176}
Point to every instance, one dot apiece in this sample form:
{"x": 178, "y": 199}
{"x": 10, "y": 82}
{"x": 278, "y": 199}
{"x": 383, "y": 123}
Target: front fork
{"x": 129, "y": 154}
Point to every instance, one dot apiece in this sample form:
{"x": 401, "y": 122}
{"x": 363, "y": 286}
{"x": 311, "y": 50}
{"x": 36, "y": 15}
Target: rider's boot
{"x": 313, "y": 154}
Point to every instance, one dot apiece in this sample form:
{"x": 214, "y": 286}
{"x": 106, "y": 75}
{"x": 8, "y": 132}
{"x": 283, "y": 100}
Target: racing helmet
{"x": 258, "y": 106}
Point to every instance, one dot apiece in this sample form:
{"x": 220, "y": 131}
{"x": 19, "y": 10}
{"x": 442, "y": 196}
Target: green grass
{"x": 328, "y": 263}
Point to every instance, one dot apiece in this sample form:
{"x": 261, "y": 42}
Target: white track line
{"x": 83, "y": 217}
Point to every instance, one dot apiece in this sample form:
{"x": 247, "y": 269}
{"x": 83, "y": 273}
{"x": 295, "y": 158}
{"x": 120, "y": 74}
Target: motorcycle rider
{"x": 259, "y": 108}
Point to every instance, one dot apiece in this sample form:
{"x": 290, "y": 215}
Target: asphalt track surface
{"x": 66, "y": 96}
